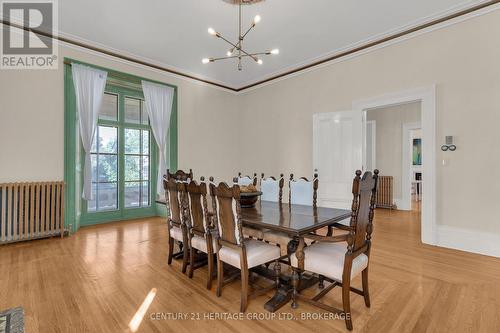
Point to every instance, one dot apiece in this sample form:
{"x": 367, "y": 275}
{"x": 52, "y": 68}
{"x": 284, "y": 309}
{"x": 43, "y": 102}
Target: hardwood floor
{"x": 96, "y": 280}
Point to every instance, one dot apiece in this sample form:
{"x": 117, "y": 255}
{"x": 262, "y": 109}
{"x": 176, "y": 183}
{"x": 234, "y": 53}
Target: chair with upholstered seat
{"x": 202, "y": 233}
{"x": 341, "y": 258}
{"x": 246, "y": 180}
{"x": 233, "y": 248}
{"x": 272, "y": 191}
{"x": 272, "y": 188}
{"x": 303, "y": 191}
{"x": 176, "y": 220}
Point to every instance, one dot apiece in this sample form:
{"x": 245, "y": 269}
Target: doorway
{"x": 393, "y": 145}
{"x": 339, "y": 147}
{"x": 427, "y": 97}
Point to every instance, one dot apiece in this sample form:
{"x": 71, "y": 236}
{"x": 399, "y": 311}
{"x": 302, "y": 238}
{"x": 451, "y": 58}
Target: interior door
{"x": 337, "y": 154}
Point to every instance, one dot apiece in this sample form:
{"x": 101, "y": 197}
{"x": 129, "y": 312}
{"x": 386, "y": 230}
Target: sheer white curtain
{"x": 159, "y": 99}
{"x": 89, "y": 90}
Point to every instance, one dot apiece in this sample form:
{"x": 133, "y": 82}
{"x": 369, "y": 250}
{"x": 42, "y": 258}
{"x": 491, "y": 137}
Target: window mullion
{"x": 140, "y": 161}
{"x": 121, "y": 152}
{"x": 97, "y": 169}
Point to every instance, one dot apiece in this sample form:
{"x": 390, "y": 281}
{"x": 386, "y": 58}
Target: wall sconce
{"x": 449, "y": 144}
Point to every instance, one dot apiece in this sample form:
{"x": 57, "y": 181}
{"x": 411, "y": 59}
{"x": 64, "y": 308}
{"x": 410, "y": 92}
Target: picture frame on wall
{"x": 417, "y": 151}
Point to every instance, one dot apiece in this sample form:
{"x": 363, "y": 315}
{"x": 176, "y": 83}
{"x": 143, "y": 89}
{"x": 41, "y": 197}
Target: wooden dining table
{"x": 295, "y": 221}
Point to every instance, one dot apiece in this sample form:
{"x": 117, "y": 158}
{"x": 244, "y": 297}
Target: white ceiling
{"x": 174, "y": 33}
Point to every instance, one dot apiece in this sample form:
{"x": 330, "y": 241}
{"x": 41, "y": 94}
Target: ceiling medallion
{"x": 236, "y": 51}
{"x": 243, "y": 2}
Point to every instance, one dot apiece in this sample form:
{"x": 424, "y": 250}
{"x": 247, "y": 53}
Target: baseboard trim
{"x": 468, "y": 240}
{"x": 401, "y": 204}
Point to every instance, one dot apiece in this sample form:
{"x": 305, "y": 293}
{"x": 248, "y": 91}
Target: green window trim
{"x": 75, "y": 210}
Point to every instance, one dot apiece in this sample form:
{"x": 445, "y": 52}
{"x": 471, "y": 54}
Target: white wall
{"x": 32, "y": 121}
{"x": 389, "y": 140}
{"x": 461, "y": 59}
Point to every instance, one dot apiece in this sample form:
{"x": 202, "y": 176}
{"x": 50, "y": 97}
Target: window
{"x": 124, "y": 182}
{"x": 122, "y": 154}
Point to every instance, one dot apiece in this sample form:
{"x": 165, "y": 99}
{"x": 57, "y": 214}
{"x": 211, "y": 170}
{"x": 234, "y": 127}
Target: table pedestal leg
{"x": 284, "y": 294}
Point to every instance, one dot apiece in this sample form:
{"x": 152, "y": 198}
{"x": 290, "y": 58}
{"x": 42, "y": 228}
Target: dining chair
{"x": 177, "y": 228}
{"x": 179, "y": 175}
{"x": 303, "y": 191}
{"x": 246, "y": 180}
{"x": 341, "y": 258}
{"x": 271, "y": 188}
{"x": 233, "y": 249}
{"x": 202, "y": 233}
{"x": 272, "y": 191}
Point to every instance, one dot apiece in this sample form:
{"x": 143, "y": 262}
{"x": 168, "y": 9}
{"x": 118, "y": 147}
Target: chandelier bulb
{"x": 256, "y": 19}
{"x": 259, "y": 61}
{"x": 275, "y": 51}
{"x": 205, "y": 60}
{"x": 212, "y": 32}
{"x": 229, "y": 53}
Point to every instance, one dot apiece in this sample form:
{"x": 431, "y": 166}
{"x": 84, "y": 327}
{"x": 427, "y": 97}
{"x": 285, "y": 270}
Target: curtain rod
{"x": 119, "y": 79}
{"x": 129, "y": 79}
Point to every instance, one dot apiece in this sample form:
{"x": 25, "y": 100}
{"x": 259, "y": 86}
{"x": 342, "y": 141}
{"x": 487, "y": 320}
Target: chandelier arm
{"x": 249, "y": 29}
{"x": 248, "y": 54}
{"x": 236, "y": 46}
{"x": 227, "y": 41}
{"x": 260, "y": 53}
{"x": 235, "y": 56}
{"x": 223, "y": 58}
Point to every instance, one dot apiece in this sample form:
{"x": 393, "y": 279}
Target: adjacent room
{"x": 249, "y": 165}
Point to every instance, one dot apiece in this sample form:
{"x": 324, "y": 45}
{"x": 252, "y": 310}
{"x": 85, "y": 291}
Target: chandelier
{"x": 236, "y": 50}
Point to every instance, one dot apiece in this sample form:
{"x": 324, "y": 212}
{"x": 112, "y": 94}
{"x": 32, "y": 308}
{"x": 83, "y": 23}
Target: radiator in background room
{"x": 31, "y": 211}
{"x": 385, "y": 196}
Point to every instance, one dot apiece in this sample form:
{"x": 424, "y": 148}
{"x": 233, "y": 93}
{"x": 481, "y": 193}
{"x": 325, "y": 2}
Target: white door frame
{"x": 427, "y": 97}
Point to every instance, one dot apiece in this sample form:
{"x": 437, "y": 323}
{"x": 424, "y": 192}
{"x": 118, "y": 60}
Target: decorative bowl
{"x": 248, "y": 199}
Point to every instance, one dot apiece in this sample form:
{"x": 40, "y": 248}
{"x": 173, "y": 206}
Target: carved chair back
{"x": 364, "y": 190}
{"x": 303, "y": 191}
{"x": 228, "y": 212}
{"x": 175, "y": 198}
{"x": 179, "y": 175}
{"x": 272, "y": 189}
{"x": 197, "y": 197}
{"x": 245, "y": 180}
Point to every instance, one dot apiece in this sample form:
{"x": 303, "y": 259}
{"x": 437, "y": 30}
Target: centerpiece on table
{"x": 249, "y": 195}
